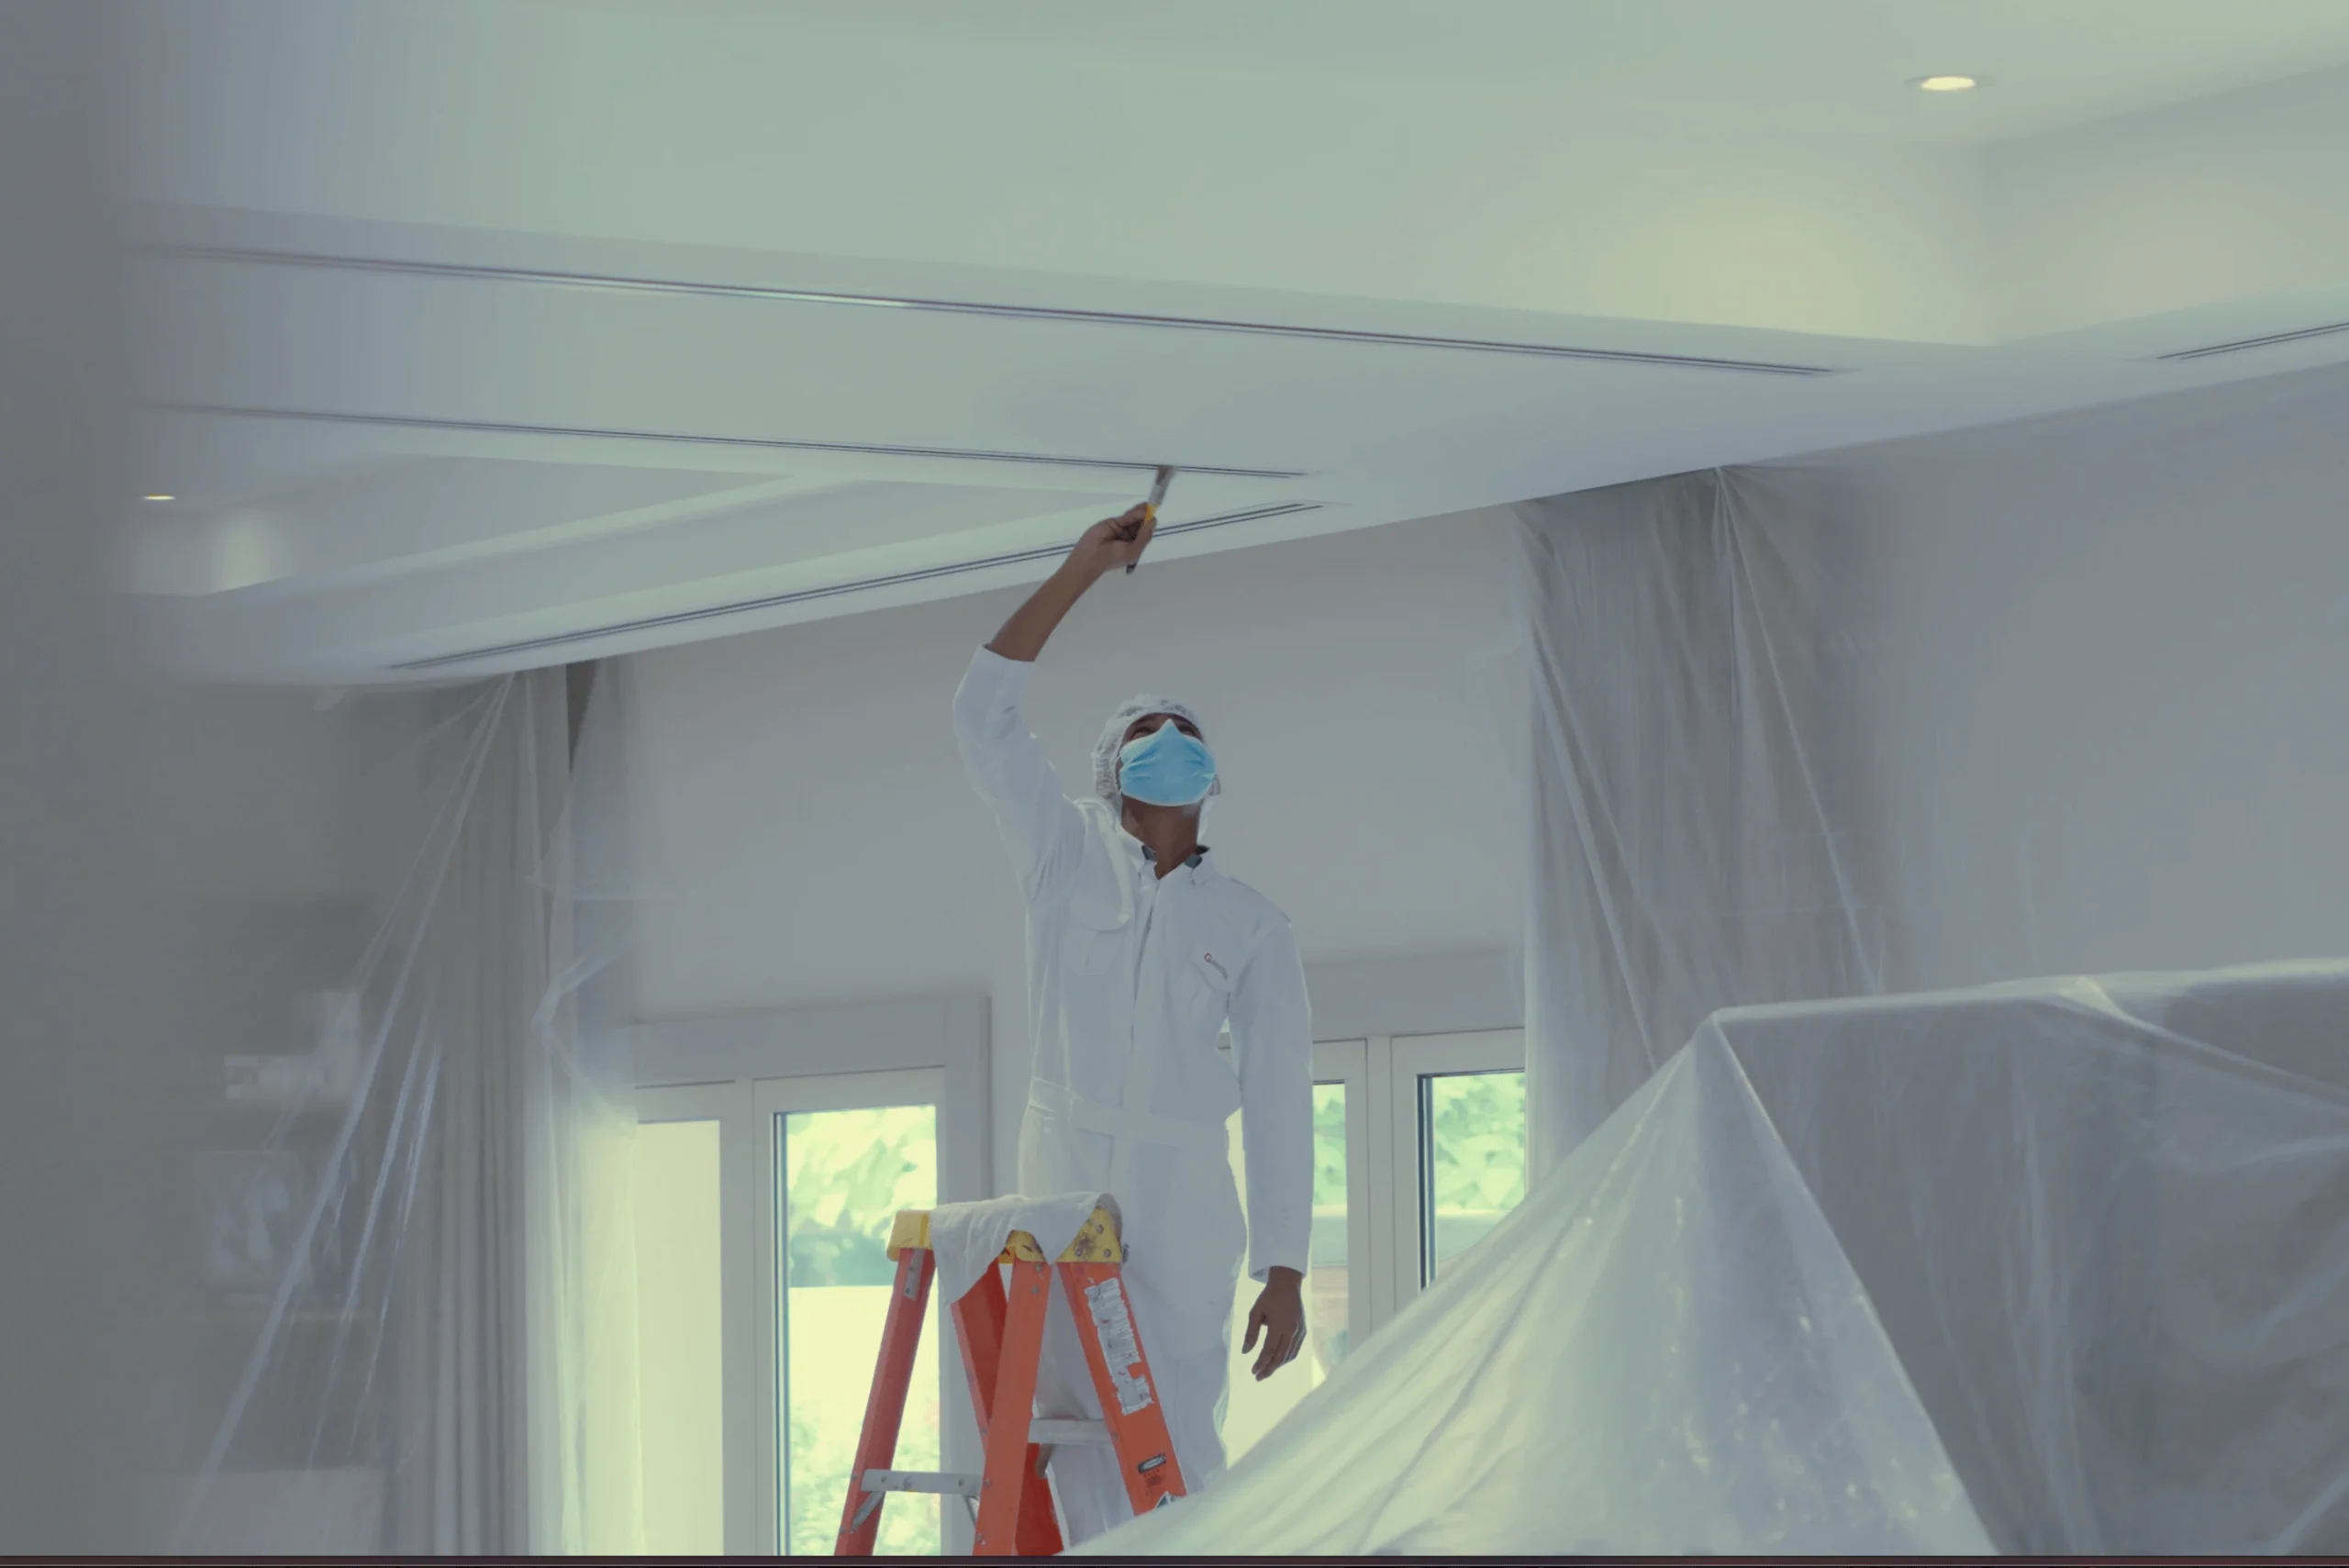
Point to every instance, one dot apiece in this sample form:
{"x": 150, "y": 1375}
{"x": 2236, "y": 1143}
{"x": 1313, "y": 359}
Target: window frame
{"x": 1384, "y": 1221}
{"x": 1410, "y": 1060}
{"x": 741, "y": 1071}
{"x": 772, "y": 1099}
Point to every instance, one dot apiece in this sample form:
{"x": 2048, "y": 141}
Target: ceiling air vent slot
{"x": 554, "y": 279}
{"x": 2273, "y": 341}
{"x": 675, "y": 437}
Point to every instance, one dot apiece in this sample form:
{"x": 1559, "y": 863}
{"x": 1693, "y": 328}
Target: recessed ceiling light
{"x": 1947, "y": 83}
{"x": 163, "y": 497}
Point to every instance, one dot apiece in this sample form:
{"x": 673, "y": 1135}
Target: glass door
{"x": 845, "y": 1153}
{"x": 1458, "y": 1141}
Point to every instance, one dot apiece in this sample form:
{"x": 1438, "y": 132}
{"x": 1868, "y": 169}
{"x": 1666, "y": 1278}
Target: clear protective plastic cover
{"x": 2054, "y": 1263}
{"x": 399, "y": 1257}
{"x": 1845, "y": 1234}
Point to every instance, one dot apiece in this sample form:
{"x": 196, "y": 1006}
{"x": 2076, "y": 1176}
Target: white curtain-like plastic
{"x": 2056, "y": 697}
{"x": 2054, "y": 1266}
{"x": 1695, "y": 842}
{"x": 408, "y": 1321}
{"x": 1873, "y": 1260}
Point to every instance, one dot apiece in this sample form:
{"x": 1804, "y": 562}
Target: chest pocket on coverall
{"x": 1096, "y": 932}
{"x": 1204, "y": 979}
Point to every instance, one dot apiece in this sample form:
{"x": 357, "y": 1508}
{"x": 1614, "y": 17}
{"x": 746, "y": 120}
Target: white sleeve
{"x": 1041, "y": 825}
{"x": 1272, "y": 1043}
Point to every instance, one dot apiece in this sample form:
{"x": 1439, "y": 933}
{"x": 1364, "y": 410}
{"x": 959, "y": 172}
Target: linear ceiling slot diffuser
{"x": 834, "y": 590}
{"x": 859, "y": 449}
{"x": 979, "y": 308}
{"x": 2273, "y": 341}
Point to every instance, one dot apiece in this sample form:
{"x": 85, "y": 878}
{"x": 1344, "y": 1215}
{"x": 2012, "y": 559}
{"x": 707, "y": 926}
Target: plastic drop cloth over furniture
{"x": 1956, "y": 1272}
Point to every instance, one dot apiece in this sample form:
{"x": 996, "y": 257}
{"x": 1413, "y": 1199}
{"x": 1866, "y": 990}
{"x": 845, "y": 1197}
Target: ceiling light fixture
{"x": 163, "y": 497}
{"x": 1947, "y": 83}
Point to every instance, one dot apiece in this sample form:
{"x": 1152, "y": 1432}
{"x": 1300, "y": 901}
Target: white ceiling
{"x": 497, "y": 332}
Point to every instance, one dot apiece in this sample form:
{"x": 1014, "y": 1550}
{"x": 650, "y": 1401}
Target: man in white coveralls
{"x": 1139, "y": 951}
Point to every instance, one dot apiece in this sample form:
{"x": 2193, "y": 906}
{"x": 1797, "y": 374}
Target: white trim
{"x": 683, "y": 1102}
{"x": 1378, "y": 1177}
{"x": 861, "y": 1037}
{"x": 1416, "y": 994}
{"x": 1347, "y": 1062}
{"x": 853, "y": 1091}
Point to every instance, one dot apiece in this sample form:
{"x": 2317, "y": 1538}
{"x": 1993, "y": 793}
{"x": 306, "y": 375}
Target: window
{"x": 679, "y": 1324}
{"x": 798, "y": 1178}
{"x": 774, "y": 1150}
{"x": 1419, "y": 1150}
{"x": 1459, "y": 1120}
{"x": 847, "y": 1153}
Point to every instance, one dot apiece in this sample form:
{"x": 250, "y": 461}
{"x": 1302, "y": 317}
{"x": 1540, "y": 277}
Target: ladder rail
{"x": 978, "y": 1326}
{"x": 885, "y": 1407}
{"x": 1000, "y": 1323}
{"x": 1003, "y": 1493}
{"x": 1130, "y": 1410}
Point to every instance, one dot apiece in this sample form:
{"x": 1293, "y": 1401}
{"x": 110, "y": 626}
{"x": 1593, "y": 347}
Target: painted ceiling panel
{"x": 426, "y": 458}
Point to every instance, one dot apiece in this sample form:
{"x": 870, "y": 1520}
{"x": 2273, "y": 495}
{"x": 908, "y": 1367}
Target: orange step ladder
{"x": 1002, "y": 1335}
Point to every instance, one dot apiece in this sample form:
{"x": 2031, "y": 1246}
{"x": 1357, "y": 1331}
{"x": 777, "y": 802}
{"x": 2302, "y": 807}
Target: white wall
{"x": 2110, "y": 721}
{"x": 807, "y": 820}
{"x": 2179, "y": 207}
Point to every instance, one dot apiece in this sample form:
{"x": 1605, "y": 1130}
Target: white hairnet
{"x": 1113, "y": 736}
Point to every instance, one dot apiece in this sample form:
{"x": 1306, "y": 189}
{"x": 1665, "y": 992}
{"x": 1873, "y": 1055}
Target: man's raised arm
{"x": 1039, "y": 825}
{"x": 1106, "y": 545}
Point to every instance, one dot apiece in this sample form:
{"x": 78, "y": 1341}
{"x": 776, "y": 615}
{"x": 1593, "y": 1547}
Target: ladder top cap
{"x": 1096, "y": 1240}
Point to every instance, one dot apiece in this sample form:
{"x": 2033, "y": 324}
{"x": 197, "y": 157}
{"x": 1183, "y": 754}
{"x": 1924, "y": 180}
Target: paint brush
{"x": 1150, "y": 507}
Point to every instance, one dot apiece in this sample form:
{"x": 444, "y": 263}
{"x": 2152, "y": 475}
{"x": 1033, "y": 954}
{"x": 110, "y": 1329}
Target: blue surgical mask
{"x": 1165, "y": 767}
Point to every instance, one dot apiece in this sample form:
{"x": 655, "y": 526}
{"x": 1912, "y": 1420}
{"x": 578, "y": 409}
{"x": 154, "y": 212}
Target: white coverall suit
{"x": 1130, "y": 981}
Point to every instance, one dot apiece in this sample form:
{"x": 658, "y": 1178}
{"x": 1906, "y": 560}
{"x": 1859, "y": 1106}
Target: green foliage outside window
{"x": 847, "y": 1173}
{"x": 1479, "y": 1138}
{"x": 844, "y": 1188}
{"x": 1329, "y": 1146}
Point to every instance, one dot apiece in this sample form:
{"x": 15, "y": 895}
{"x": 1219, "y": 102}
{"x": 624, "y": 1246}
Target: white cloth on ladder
{"x": 967, "y": 1237}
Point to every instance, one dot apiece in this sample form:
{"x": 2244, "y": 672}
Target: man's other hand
{"x": 1278, "y": 1317}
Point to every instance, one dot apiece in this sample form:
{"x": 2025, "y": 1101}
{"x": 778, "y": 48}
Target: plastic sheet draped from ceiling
{"x": 2049, "y": 1261}
{"x": 2057, "y": 696}
{"x": 401, "y": 1263}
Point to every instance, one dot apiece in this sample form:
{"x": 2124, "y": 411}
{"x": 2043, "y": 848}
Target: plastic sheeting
{"x": 400, "y": 1255}
{"x": 2059, "y": 1265}
{"x": 2056, "y": 696}
{"x": 2059, "y": 697}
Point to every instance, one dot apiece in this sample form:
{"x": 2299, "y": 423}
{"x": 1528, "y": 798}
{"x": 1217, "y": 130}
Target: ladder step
{"x": 1066, "y": 1434}
{"x": 945, "y": 1482}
